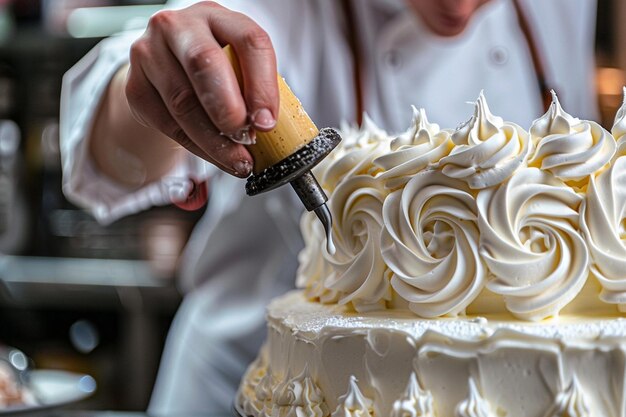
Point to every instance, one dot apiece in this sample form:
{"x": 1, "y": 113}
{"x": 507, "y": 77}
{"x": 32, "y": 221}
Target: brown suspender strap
{"x": 353, "y": 43}
{"x": 544, "y": 89}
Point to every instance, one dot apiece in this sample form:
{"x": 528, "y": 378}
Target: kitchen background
{"x": 79, "y": 296}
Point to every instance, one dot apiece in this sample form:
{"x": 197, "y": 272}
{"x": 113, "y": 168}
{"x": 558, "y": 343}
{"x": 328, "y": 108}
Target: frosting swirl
{"x": 430, "y": 242}
{"x": 355, "y": 155}
{"x": 299, "y": 397}
{"x": 358, "y": 270}
{"x": 569, "y": 148}
{"x": 488, "y": 150}
{"x": 529, "y": 239}
{"x": 354, "y": 403}
{"x": 312, "y": 265}
{"x": 603, "y": 223}
{"x": 474, "y": 405}
{"x": 571, "y": 403}
{"x": 420, "y": 146}
{"x": 415, "y": 403}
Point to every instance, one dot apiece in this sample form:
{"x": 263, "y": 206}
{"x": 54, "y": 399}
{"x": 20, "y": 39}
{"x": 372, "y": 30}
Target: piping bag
{"x": 287, "y": 153}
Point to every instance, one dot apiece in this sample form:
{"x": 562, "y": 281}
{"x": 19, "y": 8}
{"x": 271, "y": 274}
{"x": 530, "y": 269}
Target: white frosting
{"x": 358, "y": 270}
{"x": 571, "y": 403}
{"x": 569, "y": 148}
{"x": 353, "y": 403}
{"x": 475, "y": 405}
{"x": 603, "y": 222}
{"x": 415, "y": 402}
{"x": 488, "y": 150}
{"x": 420, "y": 146}
{"x": 299, "y": 397}
{"x": 529, "y": 240}
{"x": 520, "y": 365}
{"x": 430, "y": 242}
{"x": 354, "y": 156}
{"x": 313, "y": 268}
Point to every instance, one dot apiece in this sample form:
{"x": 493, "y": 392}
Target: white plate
{"x": 55, "y": 389}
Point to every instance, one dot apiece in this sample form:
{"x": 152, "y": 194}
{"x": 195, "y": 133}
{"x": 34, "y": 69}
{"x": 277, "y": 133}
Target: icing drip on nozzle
{"x": 323, "y": 214}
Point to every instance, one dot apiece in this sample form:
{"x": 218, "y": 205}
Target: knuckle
{"x": 139, "y": 50}
{"x": 182, "y": 101}
{"x": 199, "y": 59}
{"x": 208, "y": 4}
{"x": 256, "y": 38}
{"x": 162, "y": 19}
{"x": 226, "y": 117}
{"x": 134, "y": 91}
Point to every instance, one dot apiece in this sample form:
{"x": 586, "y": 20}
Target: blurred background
{"x": 78, "y": 296}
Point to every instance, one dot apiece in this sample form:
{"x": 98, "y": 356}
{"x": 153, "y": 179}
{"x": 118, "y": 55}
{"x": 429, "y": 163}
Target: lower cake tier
{"x": 322, "y": 360}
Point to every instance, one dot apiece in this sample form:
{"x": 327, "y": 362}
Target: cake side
{"x": 317, "y": 354}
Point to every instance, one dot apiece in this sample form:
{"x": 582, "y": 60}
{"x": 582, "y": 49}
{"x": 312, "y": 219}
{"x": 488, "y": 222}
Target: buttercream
{"x": 475, "y": 405}
{"x": 415, "y": 402}
{"x": 530, "y": 241}
{"x": 569, "y": 148}
{"x": 299, "y": 397}
{"x": 488, "y": 150}
{"x": 571, "y": 403}
{"x": 358, "y": 271}
{"x": 603, "y": 223}
{"x": 430, "y": 242}
{"x": 353, "y": 403}
{"x": 422, "y": 145}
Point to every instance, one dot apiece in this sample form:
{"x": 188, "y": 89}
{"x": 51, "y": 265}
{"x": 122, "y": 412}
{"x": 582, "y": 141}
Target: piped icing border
{"x": 488, "y": 218}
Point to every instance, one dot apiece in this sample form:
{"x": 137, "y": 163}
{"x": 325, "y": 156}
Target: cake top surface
{"x": 312, "y": 319}
{"x": 487, "y": 219}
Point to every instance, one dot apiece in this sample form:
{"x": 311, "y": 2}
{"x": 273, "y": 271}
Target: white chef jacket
{"x": 242, "y": 253}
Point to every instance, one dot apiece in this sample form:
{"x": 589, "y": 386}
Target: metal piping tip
{"x": 323, "y": 213}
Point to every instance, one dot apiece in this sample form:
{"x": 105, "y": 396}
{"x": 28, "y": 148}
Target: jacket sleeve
{"x": 83, "y": 86}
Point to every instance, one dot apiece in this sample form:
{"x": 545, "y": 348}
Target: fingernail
{"x": 263, "y": 119}
{"x": 242, "y": 168}
{"x": 245, "y": 136}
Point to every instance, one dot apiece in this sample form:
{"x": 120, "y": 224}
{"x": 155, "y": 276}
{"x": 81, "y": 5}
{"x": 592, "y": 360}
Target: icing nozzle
{"x": 323, "y": 213}
{"x": 288, "y": 152}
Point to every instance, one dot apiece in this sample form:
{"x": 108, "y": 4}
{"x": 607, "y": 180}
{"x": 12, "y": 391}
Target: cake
{"x": 478, "y": 272}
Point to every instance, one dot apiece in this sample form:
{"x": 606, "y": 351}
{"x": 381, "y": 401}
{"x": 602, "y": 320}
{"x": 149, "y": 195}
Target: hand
{"x": 181, "y": 82}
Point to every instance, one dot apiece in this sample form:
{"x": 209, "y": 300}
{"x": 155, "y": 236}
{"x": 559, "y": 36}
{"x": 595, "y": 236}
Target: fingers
{"x": 182, "y": 82}
{"x": 167, "y": 102}
{"x": 208, "y": 70}
{"x": 257, "y": 59}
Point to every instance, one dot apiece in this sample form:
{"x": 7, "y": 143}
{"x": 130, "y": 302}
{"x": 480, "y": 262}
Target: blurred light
{"x": 87, "y": 384}
{"x": 610, "y": 81}
{"x": 84, "y": 336}
{"x": 18, "y": 360}
{"x": 95, "y": 22}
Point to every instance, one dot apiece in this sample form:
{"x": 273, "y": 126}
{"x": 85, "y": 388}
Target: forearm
{"x": 122, "y": 148}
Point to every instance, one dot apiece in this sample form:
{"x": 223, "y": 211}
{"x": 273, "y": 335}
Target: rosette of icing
{"x": 571, "y": 403}
{"x": 619, "y": 129}
{"x": 603, "y": 223}
{"x": 421, "y": 145}
{"x": 313, "y": 267}
{"x": 569, "y": 148}
{"x": 530, "y": 241}
{"x": 359, "y": 273}
{"x": 299, "y": 397}
{"x": 488, "y": 150}
{"x": 246, "y": 395}
{"x": 430, "y": 242}
{"x": 355, "y": 155}
{"x": 354, "y": 403}
{"x": 474, "y": 405}
{"x": 415, "y": 403}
